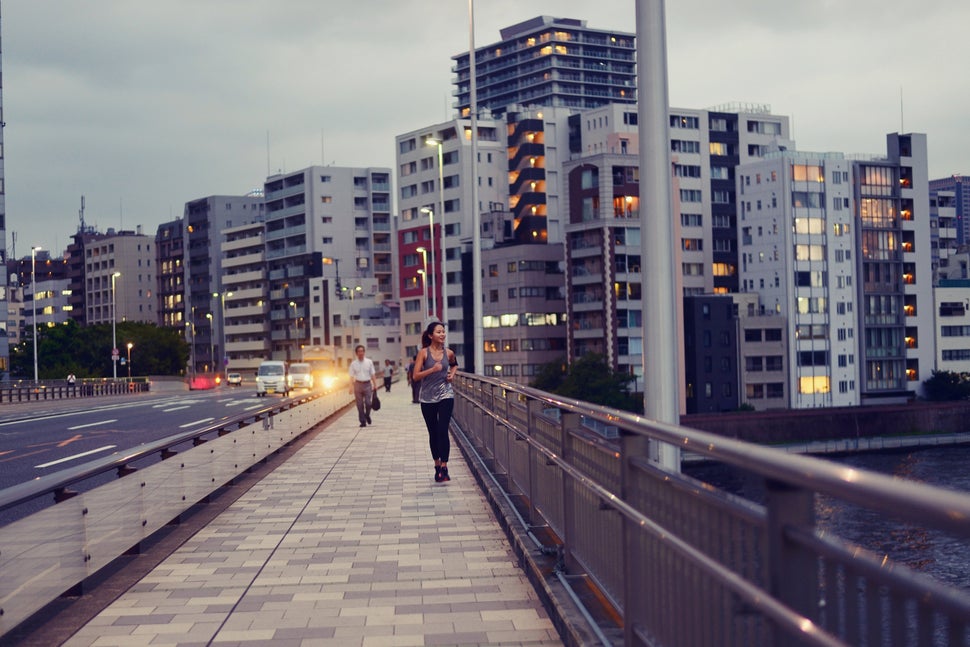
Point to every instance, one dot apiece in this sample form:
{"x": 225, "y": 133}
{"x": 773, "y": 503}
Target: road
{"x": 42, "y": 437}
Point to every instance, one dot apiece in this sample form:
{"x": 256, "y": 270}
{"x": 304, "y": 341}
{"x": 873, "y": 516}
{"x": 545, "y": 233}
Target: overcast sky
{"x": 142, "y": 106}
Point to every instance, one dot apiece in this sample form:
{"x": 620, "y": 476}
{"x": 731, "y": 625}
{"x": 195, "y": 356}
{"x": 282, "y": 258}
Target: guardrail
{"x": 26, "y": 391}
{"x": 684, "y": 563}
{"x": 54, "y": 550}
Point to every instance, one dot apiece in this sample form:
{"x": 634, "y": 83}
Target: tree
{"x": 947, "y": 385}
{"x": 86, "y": 351}
{"x": 591, "y": 379}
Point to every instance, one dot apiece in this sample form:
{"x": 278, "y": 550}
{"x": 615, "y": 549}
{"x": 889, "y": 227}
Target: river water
{"x": 934, "y": 553}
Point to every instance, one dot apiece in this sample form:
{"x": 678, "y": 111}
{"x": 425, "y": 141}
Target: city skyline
{"x": 205, "y": 101}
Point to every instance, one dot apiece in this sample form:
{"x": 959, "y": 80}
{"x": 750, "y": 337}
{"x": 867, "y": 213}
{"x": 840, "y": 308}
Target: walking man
{"x": 388, "y": 374}
{"x": 363, "y": 382}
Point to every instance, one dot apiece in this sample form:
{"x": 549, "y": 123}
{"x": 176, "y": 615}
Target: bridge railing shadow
{"x": 683, "y": 562}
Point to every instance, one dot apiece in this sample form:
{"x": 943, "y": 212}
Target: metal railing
{"x": 27, "y": 391}
{"x": 684, "y": 563}
{"x": 58, "y": 547}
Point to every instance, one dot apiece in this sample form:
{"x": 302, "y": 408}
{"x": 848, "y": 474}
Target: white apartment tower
{"x": 841, "y": 248}
{"x": 323, "y": 221}
{"x": 796, "y": 236}
{"x": 436, "y": 215}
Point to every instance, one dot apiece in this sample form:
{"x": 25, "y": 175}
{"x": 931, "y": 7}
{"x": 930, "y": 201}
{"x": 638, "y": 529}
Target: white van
{"x": 301, "y": 376}
{"x": 272, "y": 378}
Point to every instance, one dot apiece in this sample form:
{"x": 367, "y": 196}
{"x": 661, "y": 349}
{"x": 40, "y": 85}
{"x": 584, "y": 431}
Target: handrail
{"x": 656, "y": 542}
{"x": 917, "y": 502}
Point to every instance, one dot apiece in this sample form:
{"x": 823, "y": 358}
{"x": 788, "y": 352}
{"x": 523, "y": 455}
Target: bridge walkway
{"x": 348, "y": 542}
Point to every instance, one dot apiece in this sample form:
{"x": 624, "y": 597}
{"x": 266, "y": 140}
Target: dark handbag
{"x": 375, "y": 402}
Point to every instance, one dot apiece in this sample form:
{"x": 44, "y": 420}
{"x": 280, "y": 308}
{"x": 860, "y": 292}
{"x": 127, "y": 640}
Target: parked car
{"x": 234, "y": 379}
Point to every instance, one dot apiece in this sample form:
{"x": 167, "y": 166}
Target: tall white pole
{"x": 424, "y": 278}
{"x": 33, "y": 301}
{"x": 434, "y": 303}
{"x": 444, "y": 252}
{"x": 661, "y": 372}
{"x": 114, "y": 337}
{"x": 478, "y": 338}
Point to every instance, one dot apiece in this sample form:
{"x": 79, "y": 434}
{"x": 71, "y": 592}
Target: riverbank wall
{"x": 836, "y": 424}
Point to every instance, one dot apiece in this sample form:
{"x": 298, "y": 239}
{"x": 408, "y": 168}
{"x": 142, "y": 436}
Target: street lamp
{"x": 222, "y": 298}
{"x": 212, "y": 349}
{"x": 129, "y": 360}
{"x": 424, "y": 290}
{"x": 33, "y": 301}
{"x": 114, "y": 337}
{"x": 289, "y": 328}
{"x": 424, "y": 273}
{"x": 430, "y": 212}
{"x": 431, "y": 141}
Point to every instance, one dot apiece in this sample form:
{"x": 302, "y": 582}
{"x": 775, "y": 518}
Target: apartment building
{"x": 204, "y": 221}
{"x": 436, "y": 214}
{"x": 323, "y": 221}
{"x": 245, "y": 297}
{"x": 840, "y": 248}
{"x": 553, "y": 62}
{"x": 944, "y": 228}
{"x": 959, "y": 185}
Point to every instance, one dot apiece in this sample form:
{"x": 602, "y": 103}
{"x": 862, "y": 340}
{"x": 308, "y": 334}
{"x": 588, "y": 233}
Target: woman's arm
{"x": 452, "y": 364}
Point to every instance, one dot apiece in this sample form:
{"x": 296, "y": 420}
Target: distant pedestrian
{"x": 412, "y": 382}
{"x": 363, "y": 383}
{"x": 388, "y": 374}
{"x": 435, "y": 367}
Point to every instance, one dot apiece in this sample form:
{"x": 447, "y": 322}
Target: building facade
{"x": 316, "y": 219}
{"x": 550, "y": 62}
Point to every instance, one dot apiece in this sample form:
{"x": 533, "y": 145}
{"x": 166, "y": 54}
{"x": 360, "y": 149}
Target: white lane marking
{"x": 171, "y": 409}
{"x": 197, "y": 422}
{"x": 255, "y": 406}
{"x": 75, "y": 456}
{"x": 92, "y": 424}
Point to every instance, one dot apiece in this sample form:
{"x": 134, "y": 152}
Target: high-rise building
{"x": 436, "y": 214}
{"x": 170, "y": 273}
{"x": 323, "y": 221}
{"x": 841, "y": 248}
{"x": 549, "y": 62}
{"x": 245, "y": 304}
{"x": 205, "y": 219}
{"x": 960, "y": 186}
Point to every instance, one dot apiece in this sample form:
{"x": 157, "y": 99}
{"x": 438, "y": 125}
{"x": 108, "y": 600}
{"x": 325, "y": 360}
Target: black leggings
{"x": 437, "y": 417}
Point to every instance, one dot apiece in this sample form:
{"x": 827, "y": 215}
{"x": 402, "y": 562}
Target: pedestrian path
{"x": 349, "y": 542}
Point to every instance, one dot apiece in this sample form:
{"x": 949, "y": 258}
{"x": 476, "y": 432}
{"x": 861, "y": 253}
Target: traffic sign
{"x": 115, "y": 354}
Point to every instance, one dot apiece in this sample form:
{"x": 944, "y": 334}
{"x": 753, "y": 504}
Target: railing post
{"x": 792, "y": 572}
{"x": 634, "y": 603}
{"x": 568, "y": 422}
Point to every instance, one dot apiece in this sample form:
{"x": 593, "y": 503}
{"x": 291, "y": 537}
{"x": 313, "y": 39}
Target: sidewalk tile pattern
{"x": 349, "y": 542}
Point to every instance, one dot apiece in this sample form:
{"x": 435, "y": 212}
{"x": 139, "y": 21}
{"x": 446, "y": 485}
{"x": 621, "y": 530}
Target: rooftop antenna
{"x": 13, "y": 242}
{"x": 267, "y": 154}
{"x": 80, "y": 214}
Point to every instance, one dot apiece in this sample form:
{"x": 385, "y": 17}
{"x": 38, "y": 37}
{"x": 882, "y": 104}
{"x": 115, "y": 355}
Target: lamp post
{"x": 222, "y": 299}
{"x": 424, "y": 290}
{"x": 33, "y": 301}
{"x": 129, "y": 360}
{"x": 430, "y": 212}
{"x": 424, "y": 274}
{"x": 431, "y": 141}
{"x": 114, "y": 336}
{"x": 289, "y": 339}
{"x": 212, "y": 349}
